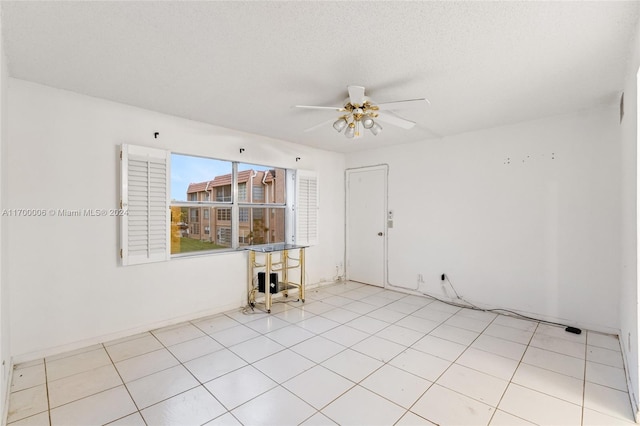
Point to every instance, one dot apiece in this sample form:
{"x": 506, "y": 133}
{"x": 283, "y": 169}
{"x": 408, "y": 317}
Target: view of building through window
{"x": 203, "y": 206}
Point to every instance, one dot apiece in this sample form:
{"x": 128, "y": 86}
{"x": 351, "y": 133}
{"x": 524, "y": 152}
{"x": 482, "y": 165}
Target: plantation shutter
{"x": 145, "y": 235}
{"x": 306, "y": 208}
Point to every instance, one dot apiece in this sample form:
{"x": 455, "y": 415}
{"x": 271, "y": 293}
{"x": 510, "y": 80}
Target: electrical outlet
{"x": 339, "y": 276}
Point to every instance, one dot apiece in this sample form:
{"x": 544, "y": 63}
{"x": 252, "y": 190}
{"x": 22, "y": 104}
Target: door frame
{"x": 385, "y": 195}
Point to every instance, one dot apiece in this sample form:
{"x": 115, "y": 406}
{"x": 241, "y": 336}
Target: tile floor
{"x": 352, "y": 355}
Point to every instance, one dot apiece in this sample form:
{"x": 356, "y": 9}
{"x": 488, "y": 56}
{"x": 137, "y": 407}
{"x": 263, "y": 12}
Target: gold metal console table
{"x": 280, "y": 266}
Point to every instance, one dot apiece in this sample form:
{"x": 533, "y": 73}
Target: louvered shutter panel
{"x": 306, "y": 207}
{"x": 145, "y": 195}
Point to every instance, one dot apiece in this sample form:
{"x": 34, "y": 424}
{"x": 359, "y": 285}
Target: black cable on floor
{"x": 470, "y": 305}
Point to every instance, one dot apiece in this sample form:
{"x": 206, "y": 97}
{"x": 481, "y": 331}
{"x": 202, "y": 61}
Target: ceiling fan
{"x": 359, "y": 111}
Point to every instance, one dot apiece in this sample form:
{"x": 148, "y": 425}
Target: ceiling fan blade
{"x": 409, "y": 103}
{"x": 356, "y": 95}
{"x": 317, "y": 126}
{"x": 387, "y": 117}
{"x": 333, "y": 108}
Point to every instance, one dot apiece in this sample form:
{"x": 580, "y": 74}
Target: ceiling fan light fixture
{"x": 351, "y": 131}
{"x": 340, "y": 124}
{"x": 358, "y": 112}
{"x": 367, "y": 122}
{"x": 375, "y": 129}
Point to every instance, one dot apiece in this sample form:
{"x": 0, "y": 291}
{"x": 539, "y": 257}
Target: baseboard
{"x": 42, "y": 353}
{"x": 534, "y": 316}
{"x": 632, "y": 396}
{"x": 46, "y": 352}
{"x": 7, "y": 394}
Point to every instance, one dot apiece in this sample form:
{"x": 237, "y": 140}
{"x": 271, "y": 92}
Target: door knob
{"x": 380, "y": 234}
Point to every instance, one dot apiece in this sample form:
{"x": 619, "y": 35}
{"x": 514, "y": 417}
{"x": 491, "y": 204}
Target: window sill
{"x": 203, "y": 253}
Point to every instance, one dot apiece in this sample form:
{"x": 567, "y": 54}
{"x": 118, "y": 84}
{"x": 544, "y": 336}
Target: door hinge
{"x": 120, "y": 253}
{"x": 120, "y": 204}
{"x": 121, "y": 155}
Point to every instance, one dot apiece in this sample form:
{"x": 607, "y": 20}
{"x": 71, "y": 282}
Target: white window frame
{"x": 301, "y": 208}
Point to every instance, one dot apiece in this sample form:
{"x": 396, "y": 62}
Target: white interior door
{"x": 366, "y": 220}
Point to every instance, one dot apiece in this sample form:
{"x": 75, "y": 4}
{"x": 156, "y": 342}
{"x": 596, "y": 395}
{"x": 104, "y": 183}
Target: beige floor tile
{"x": 27, "y": 402}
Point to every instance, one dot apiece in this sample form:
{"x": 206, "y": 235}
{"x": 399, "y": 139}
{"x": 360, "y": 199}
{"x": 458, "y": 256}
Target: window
{"x": 265, "y": 225}
{"x": 258, "y": 194}
{"x": 233, "y": 223}
{"x": 244, "y": 237}
{"x": 194, "y": 183}
{"x": 244, "y": 214}
{"x": 224, "y": 214}
{"x": 179, "y": 204}
{"x": 242, "y": 191}
{"x": 223, "y": 193}
{"x": 268, "y": 188}
{"x": 224, "y": 237}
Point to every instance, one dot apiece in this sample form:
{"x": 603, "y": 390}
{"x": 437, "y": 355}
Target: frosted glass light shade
{"x": 376, "y": 128}
{"x": 367, "y": 122}
{"x": 351, "y": 131}
{"x": 340, "y": 124}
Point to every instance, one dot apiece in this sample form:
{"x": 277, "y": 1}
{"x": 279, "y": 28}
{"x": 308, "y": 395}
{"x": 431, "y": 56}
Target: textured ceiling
{"x": 242, "y": 65}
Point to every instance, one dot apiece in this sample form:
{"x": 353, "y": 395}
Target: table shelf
{"x": 282, "y": 267}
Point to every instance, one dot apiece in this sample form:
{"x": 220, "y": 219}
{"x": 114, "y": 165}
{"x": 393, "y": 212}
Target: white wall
{"x": 523, "y": 217}
{"x": 629, "y": 264}
{"x": 67, "y": 288}
{"x": 5, "y": 348}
